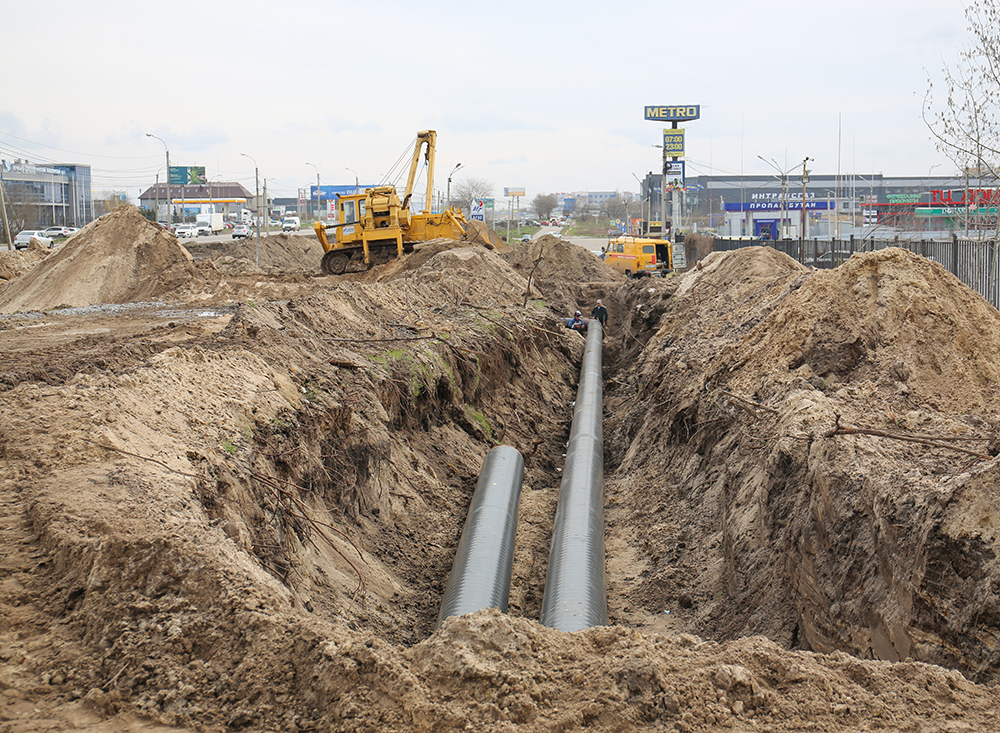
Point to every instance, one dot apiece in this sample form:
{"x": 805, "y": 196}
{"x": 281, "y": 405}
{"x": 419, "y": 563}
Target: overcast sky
{"x": 545, "y": 96}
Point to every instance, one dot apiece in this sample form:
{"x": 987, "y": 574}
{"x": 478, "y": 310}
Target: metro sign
{"x": 673, "y": 114}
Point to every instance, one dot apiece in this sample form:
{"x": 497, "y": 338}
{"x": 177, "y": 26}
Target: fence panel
{"x": 976, "y": 263}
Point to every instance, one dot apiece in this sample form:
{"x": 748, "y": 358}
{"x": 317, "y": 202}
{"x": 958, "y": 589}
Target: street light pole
{"x": 256, "y": 175}
{"x": 642, "y": 213}
{"x": 805, "y": 180}
{"x": 783, "y": 177}
{"x": 318, "y": 190}
{"x": 449, "y": 183}
{"x": 356, "y": 186}
{"x": 170, "y": 206}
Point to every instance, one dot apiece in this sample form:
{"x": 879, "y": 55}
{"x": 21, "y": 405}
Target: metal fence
{"x": 974, "y": 262}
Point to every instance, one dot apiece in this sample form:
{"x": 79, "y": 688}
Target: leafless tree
{"x": 465, "y": 191}
{"x": 963, "y": 121}
{"x": 543, "y": 204}
{"x": 614, "y": 207}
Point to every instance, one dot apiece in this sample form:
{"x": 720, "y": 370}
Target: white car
{"x": 54, "y": 232}
{"x": 185, "y": 230}
{"x": 23, "y": 239}
{"x": 203, "y": 229}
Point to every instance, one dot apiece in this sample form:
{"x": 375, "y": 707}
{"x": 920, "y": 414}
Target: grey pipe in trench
{"x": 575, "y": 595}
{"x": 480, "y": 575}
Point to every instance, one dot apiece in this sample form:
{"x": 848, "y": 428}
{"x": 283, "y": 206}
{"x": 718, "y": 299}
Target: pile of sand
{"x": 120, "y": 258}
{"x": 558, "y": 269}
{"x": 758, "y": 518}
{"x": 15, "y": 263}
{"x": 274, "y": 254}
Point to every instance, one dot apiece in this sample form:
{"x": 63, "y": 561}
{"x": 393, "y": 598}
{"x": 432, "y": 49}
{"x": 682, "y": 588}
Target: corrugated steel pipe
{"x": 480, "y": 575}
{"x": 575, "y": 593}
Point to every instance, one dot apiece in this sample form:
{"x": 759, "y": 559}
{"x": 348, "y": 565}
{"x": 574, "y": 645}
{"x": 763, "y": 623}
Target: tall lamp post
{"x": 642, "y": 213}
{"x": 783, "y": 177}
{"x": 356, "y": 187}
{"x": 805, "y": 180}
{"x": 256, "y": 175}
{"x": 170, "y": 203}
{"x": 318, "y": 191}
{"x": 449, "y": 183}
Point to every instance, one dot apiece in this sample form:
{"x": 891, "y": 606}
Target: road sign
{"x": 673, "y": 142}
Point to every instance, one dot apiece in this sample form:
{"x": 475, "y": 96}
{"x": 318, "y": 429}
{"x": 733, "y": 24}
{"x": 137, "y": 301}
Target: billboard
{"x": 513, "y": 192}
{"x": 673, "y": 142}
{"x": 182, "y": 175}
{"x": 673, "y": 114}
{"x": 478, "y": 210}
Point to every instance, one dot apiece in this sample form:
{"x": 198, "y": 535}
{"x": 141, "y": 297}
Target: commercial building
{"x": 206, "y": 198}
{"x": 826, "y": 205}
{"x": 54, "y": 194}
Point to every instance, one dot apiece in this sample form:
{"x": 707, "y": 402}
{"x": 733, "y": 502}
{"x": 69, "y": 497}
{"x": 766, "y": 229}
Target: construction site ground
{"x": 232, "y": 489}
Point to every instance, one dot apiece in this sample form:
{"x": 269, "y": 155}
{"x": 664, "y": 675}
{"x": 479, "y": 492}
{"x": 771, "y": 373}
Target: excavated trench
{"x": 345, "y": 463}
{"x": 253, "y": 526}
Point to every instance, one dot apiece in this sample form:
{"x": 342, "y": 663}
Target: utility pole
{"x": 3, "y": 210}
{"x": 170, "y": 203}
{"x": 449, "y": 183}
{"x": 318, "y": 191}
{"x": 805, "y": 180}
{"x": 256, "y": 175}
{"x": 663, "y": 193}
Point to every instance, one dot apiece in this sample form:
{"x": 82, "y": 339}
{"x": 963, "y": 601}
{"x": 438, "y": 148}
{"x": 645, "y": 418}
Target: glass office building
{"x": 46, "y": 195}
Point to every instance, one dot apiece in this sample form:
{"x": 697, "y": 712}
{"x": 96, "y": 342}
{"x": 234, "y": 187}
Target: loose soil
{"x": 232, "y": 494}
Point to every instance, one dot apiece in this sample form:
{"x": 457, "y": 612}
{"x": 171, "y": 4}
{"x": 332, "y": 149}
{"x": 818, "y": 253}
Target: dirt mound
{"x": 119, "y": 258}
{"x": 774, "y": 518}
{"x": 245, "y": 520}
{"x": 276, "y": 254}
{"x": 16, "y": 263}
{"x": 457, "y": 271}
{"x": 558, "y": 270}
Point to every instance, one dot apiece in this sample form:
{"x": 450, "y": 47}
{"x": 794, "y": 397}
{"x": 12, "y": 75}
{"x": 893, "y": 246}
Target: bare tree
{"x": 465, "y": 191}
{"x": 543, "y": 204}
{"x": 614, "y": 207}
{"x": 966, "y": 127}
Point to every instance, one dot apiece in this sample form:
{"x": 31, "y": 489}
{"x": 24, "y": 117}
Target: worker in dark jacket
{"x": 600, "y": 313}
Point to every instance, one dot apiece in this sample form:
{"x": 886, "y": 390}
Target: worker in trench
{"x": 601, "y": 314}
{"x": 577, "y": 324}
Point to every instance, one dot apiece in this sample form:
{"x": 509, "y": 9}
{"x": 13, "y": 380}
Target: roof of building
{"x": 215, "y": 191}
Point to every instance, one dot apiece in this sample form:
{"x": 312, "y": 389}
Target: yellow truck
{"x": 639, "y": 256}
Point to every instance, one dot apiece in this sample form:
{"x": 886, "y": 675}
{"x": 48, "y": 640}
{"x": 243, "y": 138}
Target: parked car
{"x": 54, "y": 232}
{"x": 166, "y": 225}
{"x": 23, "y": 239}
{"x": 241, "y": 231}
{"x": 526, "y": 238}
{"x": 185, "y": 230}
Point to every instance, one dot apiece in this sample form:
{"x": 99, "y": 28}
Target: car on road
{"x": 185, "y": 230}
{"x": 526, "y": 238}
{"x": 241, "y": 231}
{"x": 203, "y": 229}
{"x": 23, "y": 239}
{"x": 54, "y": 232}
